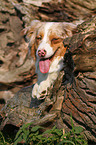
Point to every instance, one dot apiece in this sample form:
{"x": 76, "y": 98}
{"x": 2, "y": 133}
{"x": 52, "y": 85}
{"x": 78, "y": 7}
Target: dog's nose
{"x": 41, "y": 53}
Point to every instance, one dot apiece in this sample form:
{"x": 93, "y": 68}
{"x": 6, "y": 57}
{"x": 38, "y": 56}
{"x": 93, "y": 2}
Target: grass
{"x": 38, "y": 135}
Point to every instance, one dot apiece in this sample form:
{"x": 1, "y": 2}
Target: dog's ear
{"x": 69, "y": 29}
{"x": 33, "y": 52}
{"x": 29, "y": 31}
{"x": 30, "y": 35}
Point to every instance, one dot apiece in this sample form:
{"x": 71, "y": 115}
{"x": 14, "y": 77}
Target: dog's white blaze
{"x": 44, "y": 44}
{"x": 47, "y": 47}
{"x": 47, "y": 27}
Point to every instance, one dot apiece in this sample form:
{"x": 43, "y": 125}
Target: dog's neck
{"x": 54, "y": 70}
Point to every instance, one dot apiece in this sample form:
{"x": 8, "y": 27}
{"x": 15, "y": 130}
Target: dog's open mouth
{"x": 44, "y": 63}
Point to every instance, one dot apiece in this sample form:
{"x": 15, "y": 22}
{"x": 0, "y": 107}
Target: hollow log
{"x": 16, "y": 69}
{"x": 74, "y": 91}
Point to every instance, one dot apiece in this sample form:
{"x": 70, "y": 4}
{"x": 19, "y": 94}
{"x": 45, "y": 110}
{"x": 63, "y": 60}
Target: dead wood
{"x": 74, "y": 92}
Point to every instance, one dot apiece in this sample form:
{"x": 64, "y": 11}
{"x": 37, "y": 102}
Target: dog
{"x": 47, "y": 50}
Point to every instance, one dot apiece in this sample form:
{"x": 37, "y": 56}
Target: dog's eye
{"x": 31, "y": 32}
{"x": 39, "y": 37}
{"x": 55, "y": 40}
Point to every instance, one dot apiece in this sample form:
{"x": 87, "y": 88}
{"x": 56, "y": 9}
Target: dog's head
{"x": 46, "y": 41}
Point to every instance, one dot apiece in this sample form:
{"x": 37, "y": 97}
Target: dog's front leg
{"x": 35, "y": 91}
{"x": 42, "y": 85}
{"x": 40, "y": 88}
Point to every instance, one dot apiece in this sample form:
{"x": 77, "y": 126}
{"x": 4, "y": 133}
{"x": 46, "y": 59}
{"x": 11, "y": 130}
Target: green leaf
{"x": 66, "y": 141}
{"x": 40, "y": 137}
{"x": 18, "y": 134}
{"x": 47, "y": 131}
{"x": 26, "y": 126}
{"x": 57, "y": 132}
{"x": 19, "y": 139}
{"x": 22, "y": 129}
{"x": 25, "y": 135}
{"x": 78, "y": 140}
{"x": 63, "y": 136}
{"x": 78, "y": 129}
{"x": 35, "y": 128}
{"x": 2, "y": 139}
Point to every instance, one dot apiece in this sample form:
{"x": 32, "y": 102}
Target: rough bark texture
{"x": 75, "y": 89}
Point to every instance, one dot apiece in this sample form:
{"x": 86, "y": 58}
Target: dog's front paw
{"x": 35, "y": 91}
{"x": 39, "y": 91}
{"x": 42, "y": 89}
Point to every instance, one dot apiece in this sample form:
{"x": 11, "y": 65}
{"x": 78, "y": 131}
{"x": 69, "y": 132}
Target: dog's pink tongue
{"x": 44, "y": 65}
